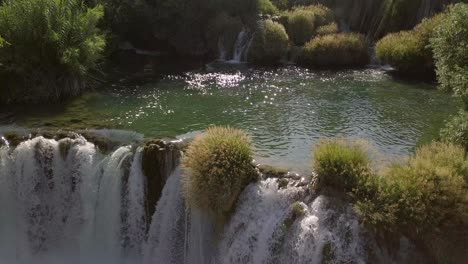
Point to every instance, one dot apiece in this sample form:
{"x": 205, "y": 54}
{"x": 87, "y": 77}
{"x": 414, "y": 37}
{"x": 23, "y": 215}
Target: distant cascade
{"x": 240, "y": 46}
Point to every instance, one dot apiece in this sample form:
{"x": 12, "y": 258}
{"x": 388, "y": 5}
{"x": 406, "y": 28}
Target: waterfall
{"x": 63, "y": 201}
{"x": 239, "y": 46}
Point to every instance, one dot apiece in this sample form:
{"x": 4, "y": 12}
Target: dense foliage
{"x": 409, "y": 51}
{"x": 456, "y": 130}
{"x": 269, "y": 44}
{"x": 219, "y": 166}
{"x": 450, "y": 45}
{"x": 340, "y": 164}
{"x": 336, "y": 50}
{"x": 52, "y": 46}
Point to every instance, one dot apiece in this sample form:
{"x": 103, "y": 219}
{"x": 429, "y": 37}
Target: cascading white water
{"x": 64, "y": 202}
{"x": 241, "y": 46}
{"x": 261, "y": 231}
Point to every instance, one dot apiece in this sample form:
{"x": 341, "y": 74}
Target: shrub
{"x": 450, "y": 46}
{"x": 281, "y": 4}
{"x": 409, "y": 51}
{"x": 456, "y": 130}
{"x": 420, "y": 195}
{"x": 303, "y": 22}
{"x": 219, "y": 163}
{"x": 270, "y": 43}
{"x": 52, "y": 47}
{"x": 266, "y": 7}
{"x": 342, "y": 49}
{"x": 331, "y": 28}
{"x": 340, "y": 164}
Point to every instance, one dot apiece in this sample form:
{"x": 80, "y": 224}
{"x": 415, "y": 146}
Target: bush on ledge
{"x": 419, "y": 196}
{"x": 269, "y": 44}
{"x": 340, "y": 164}
{"x": 219, "y": 166}
{"x": 331, "y": 28}
{"x": 303, "y": 22}
{"x": 336, "y": 50}
{"x": 409, "y": 51}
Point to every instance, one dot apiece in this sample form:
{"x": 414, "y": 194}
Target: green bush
{"x": 419, "y": 196}
{"x": 219, "y": 163}
{"x": 266, "y": 7}
{"x": 409, "y": 51}
{"x": 331, "y": 28}
{"x": 338, "y": 50}
{"x": 302, "y": 22}
{"x": 269, "y": 44}
{"x": 450, "y": 46}
{"x": 456, "y": 130}
{"x": 52, "y": 47}
{"x": 340, "y": 164}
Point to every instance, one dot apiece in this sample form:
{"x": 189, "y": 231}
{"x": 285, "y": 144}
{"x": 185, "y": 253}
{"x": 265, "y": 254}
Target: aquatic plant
{"x": 336, "y": 50}
{"x": 450, "y": 46}
{"x": 409, "y": 51}
{"x": 420, "y": 195}
{"x": 269, "y": 43}
{"x": 302, "y": 22}
{"x": 219, "y": 166}
{"x": 340, "y": 164}
{"x": 53, "y": 45}
{"x": 456, "y": 130}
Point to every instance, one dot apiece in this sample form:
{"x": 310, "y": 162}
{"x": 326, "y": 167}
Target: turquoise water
{"x": 286, "y": 111}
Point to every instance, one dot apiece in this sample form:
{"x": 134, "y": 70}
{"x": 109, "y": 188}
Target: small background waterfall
{"x": 240, "y": 48}
{"x": 64, "y": 201}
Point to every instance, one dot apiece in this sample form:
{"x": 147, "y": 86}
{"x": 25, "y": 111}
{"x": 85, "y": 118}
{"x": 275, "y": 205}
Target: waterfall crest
{"x": 63, "y": 201}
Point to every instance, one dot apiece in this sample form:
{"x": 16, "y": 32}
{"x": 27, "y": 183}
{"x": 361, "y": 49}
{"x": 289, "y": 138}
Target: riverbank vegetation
{"x": 56, "y": 60}
{"x": 51, "y": 46}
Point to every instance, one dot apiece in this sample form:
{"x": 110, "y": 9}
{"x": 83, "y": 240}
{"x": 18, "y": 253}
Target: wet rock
{"x": 159, "y": 159}
{"x": 14, "y": 139}
{"x": 268, "y": 171}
